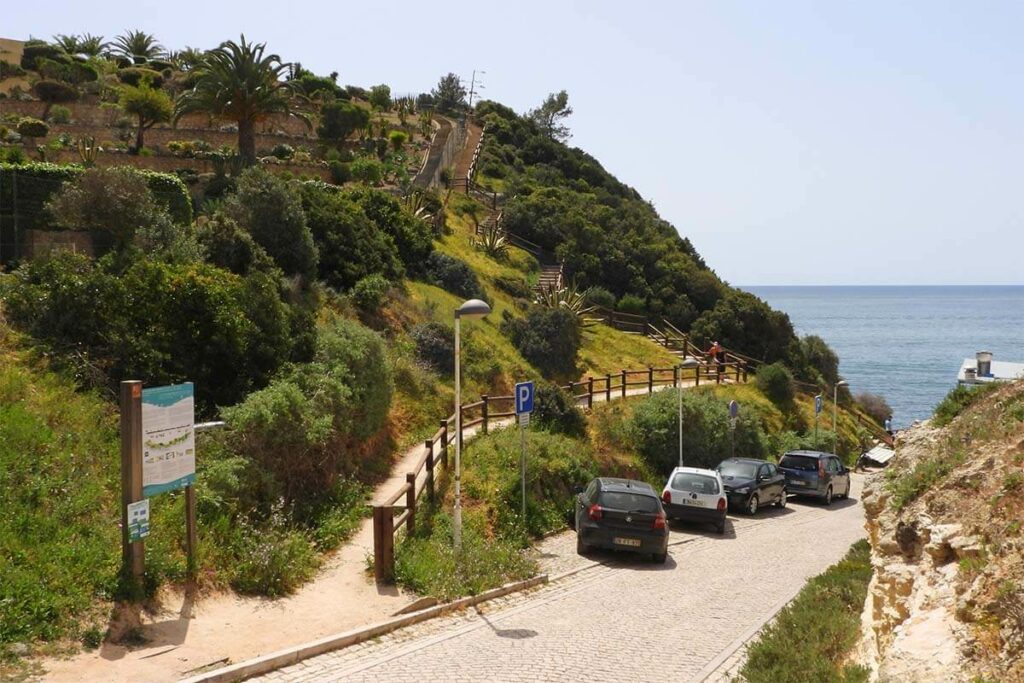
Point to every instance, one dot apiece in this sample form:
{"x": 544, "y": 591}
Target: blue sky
{"x": 792, "y": 142}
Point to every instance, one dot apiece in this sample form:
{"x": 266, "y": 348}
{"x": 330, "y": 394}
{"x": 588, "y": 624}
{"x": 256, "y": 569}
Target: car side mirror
{"x": 577, "y": 490}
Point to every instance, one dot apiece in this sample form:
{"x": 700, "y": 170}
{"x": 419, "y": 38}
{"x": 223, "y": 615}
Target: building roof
{"x": 1001, "y": 371}
{"x": 879, "y": 454}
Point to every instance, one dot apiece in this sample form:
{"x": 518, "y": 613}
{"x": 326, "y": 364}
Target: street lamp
{"x": 835, "y": 398}
{"x": 474, "y": 308}
{"x": 688, "y": 363}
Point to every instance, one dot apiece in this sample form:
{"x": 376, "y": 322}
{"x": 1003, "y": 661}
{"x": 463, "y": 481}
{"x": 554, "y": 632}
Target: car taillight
{"x": 721, "y": 504}
{"x": 659, "y": 521}
{"x": 666, "y": 497}
{"x": 594, "y": 512}
{"x": 821, "y": 469}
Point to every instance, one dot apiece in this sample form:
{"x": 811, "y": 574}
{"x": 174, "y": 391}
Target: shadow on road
{"x": 513, "y": 633}
{"x": 620, "y": 559}
{"x": 837, "y": 504}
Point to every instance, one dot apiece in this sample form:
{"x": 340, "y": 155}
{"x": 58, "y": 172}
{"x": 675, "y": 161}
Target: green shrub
{"x": 36, "y": 49}
{"x": 338, "y": 120}
{"x": 270, "y": 559}
{"x": 514, "y": 285}
{"x": 32, "y": 128}
{"x": 341, "y": 172}
{"x": 9, "y": 70}
{"x": 306, "y": 428}
{"x": 272, "y": 212}
{"x": 60, "y": 114}
{"x": 454, "y": 276}
{"x": 549, "y": 338}
{"x": 435, "y": 346}
{"x": 312, "y": 85}
{"x": 380, "y": 97}
{"x": 135, "y": 76}
{"x": 825, "y": 618}
{"x": 370, "y": 293}
{"x": 775, "y": 382}
{"x": 398, "y": 138}
{"x": 412, "y": 235}
{"x": 367, "y": 170}
{"x": 599, "y": 296}
{"x": 283, "y": 151}
{"x": 164, "y": 323}
{"x": 555, "y": 409}
{"x": 958, "y": 400}
{"x": 230, "y": 247}
{"x": 632, "y": 304}
{"x": 55, "y": 92}
{"x": 351, "y": 246}
{"x": 12, "y": 155}
{"x": 654, "y": 431}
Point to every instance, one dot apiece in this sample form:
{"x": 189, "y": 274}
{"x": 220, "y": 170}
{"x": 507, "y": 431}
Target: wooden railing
{"x": 487, "y": 412}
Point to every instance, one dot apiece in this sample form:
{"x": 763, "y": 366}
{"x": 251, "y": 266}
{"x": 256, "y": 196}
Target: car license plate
{"x": 800, "y": 483}
{"x": 695, "y": 503}
{"x": 632, "y": 542}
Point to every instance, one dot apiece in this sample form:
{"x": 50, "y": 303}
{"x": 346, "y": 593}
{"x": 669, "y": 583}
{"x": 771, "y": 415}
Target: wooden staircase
{"x": 550, "y": 277}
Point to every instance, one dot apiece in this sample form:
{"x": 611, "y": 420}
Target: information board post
{"x": 817, "y": 411}
{"x": 734, "y": 414}
{"x": 524, "y": 406}
{"x": 133, "y": 553}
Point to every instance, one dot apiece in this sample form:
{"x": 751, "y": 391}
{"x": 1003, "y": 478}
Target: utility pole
{"x": 473, "y": 87}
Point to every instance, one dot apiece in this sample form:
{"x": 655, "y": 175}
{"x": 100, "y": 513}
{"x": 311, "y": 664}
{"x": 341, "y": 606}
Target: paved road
{"x": 619, "y": 619}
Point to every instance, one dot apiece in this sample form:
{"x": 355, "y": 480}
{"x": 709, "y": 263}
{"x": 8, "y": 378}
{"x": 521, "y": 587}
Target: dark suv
{"x": 816, "y": 474}
{"x": 621, "y": 514}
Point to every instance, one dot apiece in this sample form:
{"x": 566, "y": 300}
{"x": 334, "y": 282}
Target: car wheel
{"x": 660, "y": 558}
{"x": 828, "y": 496}
{"x": 781, "y": 502}
{"x": 752, "y": 504}
{"x": 720, "y": 527}
{"x": 581, "y": 547}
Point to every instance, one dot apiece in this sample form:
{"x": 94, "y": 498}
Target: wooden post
{"x": 383, "y": 543}
{"x": 484, "y": 412}
{"x": 460, "y": 424}
{"x": 430, "y": 469}
{"x": 444, "y": 444}
{"x": 133, "y": 555}
{"x": 696, "y": 376}
{"x": 744, "y": 372}
{"x": 191, "y": 543}
{"x": 650, "y": 379}
{"x": 410, "y": 502}
{"x": 590, "y": 392}
{"x": 623, "y": 384}
{"x": 608, "y": 388}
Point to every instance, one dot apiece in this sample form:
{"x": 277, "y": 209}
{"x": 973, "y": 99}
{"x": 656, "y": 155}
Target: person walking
{"x": 717, "y": 354}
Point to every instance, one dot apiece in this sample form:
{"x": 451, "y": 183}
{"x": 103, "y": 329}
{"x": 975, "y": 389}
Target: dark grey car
{"x": 621, "y": 514}
{"x": 816, "y": 474}
{"x": 751, "y": 484}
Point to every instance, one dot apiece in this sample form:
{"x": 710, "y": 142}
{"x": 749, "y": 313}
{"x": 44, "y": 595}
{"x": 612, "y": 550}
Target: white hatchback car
{"x": 696, "y": 495}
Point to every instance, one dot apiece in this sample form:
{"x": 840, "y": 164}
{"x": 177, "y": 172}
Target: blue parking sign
{"x": 817, "y": 404}
{"x": 524, "y": 398}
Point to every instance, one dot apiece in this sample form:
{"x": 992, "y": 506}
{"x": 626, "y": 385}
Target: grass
{"x": 905, "y": 487}
{"x": 811, "y": 637}
{"x": 958, "y": 400}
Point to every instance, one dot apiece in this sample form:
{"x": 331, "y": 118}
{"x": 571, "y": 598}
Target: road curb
{"x": 298, "y": 653}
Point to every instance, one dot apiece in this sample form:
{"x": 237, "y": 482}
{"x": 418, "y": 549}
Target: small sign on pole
{"x": 817, "y": 404}
{"x": 734, "y": 414}
{"x": 524, "y": 406}
{"x": 138, "y": 520}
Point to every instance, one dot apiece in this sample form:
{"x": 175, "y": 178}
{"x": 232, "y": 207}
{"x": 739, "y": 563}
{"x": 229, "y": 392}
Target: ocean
{"x": 906, "y": 343}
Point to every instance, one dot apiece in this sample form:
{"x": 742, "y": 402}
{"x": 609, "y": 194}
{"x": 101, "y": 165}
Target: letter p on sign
{"x": 524, "y": 398}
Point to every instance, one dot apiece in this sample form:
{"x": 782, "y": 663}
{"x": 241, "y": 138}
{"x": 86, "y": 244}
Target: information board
{"x": 168, "y": 438}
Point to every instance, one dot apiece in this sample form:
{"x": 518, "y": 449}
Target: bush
{"x": 775, "y": 382}
{"x": 230, "y": 247}
{"x": 267, "y": 207}
{"x": 380, "y": 97}
{"x": 8, "y": 70}
{"x": 397, "y": 138}
{"x": 60, "y": 114}
{"x": 351, "y": 246}
{"x": 599, "y": 296}
{"x": 821, "y": 357}
{"x": 307, "y": 427}
{"x": 338, "y": 120}
{"x": 36, "y": 49}
{"x": 453, "y": 275}
{"x": 654, "y": 430}
{"x": 32, "y": 128}
{"x": 549, "y": 338}
{"x": 875, "y": 406}
{"x": 54, "y": 92}
{"x": 958, "y": 400}
{"x": 135, "y": 76}
{"x": 370, "y": 293}
{"x": 129, "y": 323}
{"x": 435, "y": 346}
{"x": 555, "y": 409}
{"x": 514, "y": 285}
{"x": 826, "y": 615}
{"x": 632, "y": 304}
{"x": 341, "y": 172}
{"x": 412, "y": 235}
{"x": 282, "y": 151}
{"x": 367, "y": 170}
{"x": 270, "y": 559}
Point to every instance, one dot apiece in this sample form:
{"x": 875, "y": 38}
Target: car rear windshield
{"x": 631, "y": 502}
{"x": 737, "y": 469}
{"x": 799, "y": 462}
{"x": 694, "y": 483}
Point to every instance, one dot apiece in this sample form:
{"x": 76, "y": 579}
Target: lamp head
{"x": 689, "y": 362}
{"x": 474, "y": 308}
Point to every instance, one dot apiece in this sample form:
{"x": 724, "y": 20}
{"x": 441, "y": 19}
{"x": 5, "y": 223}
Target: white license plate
{"x": 691, "y": 501}
{"x": 801, "y": 483}
{"x": 631, "y": 542}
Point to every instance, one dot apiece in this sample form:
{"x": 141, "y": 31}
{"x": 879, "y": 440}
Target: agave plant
{"x": 493, "y": 242}
{"x": 138, "y": 46}
{"x": 87, "y": 150}
{"x": 570, "y": 298}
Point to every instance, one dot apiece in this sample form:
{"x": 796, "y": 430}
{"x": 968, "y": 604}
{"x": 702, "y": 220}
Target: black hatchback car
{"x": 621, "y": 514}
{"x": 751, "y": 484}
{"x": 816, "y": 474}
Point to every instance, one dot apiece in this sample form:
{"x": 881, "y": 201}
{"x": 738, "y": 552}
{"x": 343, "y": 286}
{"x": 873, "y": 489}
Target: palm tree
{"x": 91, "y": 46}
{"x": 138, "y": 46}
{"x": 69, "y": 44}
{"x": 238, "y": 83}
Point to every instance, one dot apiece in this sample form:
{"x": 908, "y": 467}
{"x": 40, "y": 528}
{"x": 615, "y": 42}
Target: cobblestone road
{"x": 621, "y": 619}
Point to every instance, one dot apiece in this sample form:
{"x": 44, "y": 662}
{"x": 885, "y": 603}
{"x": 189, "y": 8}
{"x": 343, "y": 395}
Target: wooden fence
{"x": 487, "y": 412}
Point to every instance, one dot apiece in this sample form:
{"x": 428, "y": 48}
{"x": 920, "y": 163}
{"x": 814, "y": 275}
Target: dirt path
{"x": 473, "y": 135}
{"x": 191, "y": 633}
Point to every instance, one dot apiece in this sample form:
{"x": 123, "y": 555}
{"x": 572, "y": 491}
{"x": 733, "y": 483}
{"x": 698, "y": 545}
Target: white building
{"x": 983, "y": 369}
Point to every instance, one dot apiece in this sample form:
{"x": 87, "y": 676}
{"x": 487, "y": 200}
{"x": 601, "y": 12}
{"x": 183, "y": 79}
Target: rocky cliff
{"x": 944, "y": 520}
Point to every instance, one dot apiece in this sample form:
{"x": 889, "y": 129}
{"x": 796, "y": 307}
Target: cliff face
{"x": 944, "y": 521}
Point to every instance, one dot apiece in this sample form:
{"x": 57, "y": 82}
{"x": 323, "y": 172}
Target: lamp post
{"x": 474, "y": 308}
{"x": 835, "y": 398}
{"x": 688, "y": 363}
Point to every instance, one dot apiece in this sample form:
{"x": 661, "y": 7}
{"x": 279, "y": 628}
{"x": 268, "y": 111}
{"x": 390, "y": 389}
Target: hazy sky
{"x": 792, "y": 142}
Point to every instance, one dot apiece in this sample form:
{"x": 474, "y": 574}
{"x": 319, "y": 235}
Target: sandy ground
{"x": 189, "y": 633}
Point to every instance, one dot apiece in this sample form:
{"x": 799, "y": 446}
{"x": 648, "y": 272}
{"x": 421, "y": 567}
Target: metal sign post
{"x": 524, "y": 406}
{"x": 817, "y": 411}
{"x": 734, "y": 413}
